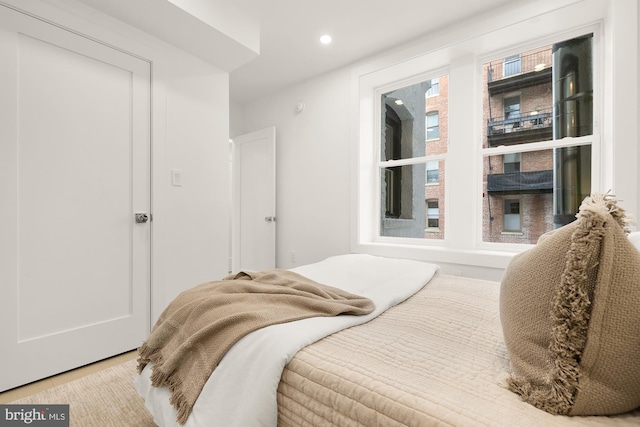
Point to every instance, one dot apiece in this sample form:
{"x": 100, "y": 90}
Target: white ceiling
{"x": 290, "y": 50}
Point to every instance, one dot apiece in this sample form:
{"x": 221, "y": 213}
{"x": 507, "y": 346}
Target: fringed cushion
{"x": 635, "y": 239}
{"x": 570, "y": 312}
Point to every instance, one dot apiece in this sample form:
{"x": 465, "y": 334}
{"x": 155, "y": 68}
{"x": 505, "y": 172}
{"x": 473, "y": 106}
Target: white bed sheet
{"x": 242, "y": 391}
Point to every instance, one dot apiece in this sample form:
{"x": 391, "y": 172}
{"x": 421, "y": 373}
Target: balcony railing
{"x": 534, "y": 62}
{"x": 519, "y": 72}
{"x": 520, "y": 182}
{"x": 530, "y": 126}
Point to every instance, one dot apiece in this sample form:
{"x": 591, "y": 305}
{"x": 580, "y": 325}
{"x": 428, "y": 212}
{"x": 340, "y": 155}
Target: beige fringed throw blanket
{"x": 201, "y": 324}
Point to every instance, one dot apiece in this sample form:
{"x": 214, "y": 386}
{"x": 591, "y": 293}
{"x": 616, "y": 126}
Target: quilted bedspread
{"x": 242, "y": 390}
{"x": 438, "y": 359}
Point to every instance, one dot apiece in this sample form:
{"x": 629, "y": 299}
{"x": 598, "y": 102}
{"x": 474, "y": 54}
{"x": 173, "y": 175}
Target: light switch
{"x": 176, "y": 177}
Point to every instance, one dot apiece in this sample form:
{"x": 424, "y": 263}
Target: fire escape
{"x": 530, "y": 126}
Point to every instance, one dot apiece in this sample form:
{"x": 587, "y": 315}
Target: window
{"x": 433, "y": 125}
{"x": 433, "y": 213}
{"x": 511, "y": 113}
{"x": 512, "y": 65}
{"x": 512, "y": 107}
{"x": 434, "y": 90}
{"x": 514, "y": 169}
{"x": 511, "y": 162}
{"x": 401, "y": 135}
{"x": 471, "y": 169}
{"x": 407, "y": 162}
{"x": 432, "y": 172}
{"x": 511, "y": 215}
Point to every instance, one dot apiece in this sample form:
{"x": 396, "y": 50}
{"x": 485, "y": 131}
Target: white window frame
{"x": 461, "y": 53}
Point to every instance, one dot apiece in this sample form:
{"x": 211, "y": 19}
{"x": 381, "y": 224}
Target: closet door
{"x": 74, "y": 170}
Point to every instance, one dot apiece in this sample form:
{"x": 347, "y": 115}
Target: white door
{"x": 74, "y": 168}
{"x": 254, "y": 201}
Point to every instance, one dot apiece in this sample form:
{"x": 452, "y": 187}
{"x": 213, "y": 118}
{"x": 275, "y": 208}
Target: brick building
{"x": 518, "y": 109}
{"x": 437, "y": 139}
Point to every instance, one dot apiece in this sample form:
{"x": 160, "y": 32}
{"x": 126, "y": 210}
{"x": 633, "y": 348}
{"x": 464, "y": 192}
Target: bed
{"x": 432, "y": 353}
{"x": 437, "y": 358}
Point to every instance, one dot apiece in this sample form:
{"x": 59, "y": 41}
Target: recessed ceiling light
{"x": 325, "y": 39}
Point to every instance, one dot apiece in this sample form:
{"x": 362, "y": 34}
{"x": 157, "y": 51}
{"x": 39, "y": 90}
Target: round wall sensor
{"x": 299, "y": 107}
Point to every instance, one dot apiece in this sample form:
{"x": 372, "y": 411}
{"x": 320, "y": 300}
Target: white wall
{"x": 315, "y": 175}
{"x": 191, "y": 221}
{"x": 312, "y": 179}
{"x": 236, "y": 119}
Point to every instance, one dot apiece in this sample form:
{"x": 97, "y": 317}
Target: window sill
{"x": 436, "y": 252}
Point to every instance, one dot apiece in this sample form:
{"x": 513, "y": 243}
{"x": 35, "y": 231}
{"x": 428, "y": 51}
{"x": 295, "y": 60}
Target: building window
{"x": 511, "y": 107}
{"x": 512, "y": 215}
{"x": 433, "y": 172}
{"x": 512, "y": 65}
{"x": 433, "y": 213}
{"x": 434, "y": 90}
{"x": 432, "y": 125}
{"x": 511, "y": 163}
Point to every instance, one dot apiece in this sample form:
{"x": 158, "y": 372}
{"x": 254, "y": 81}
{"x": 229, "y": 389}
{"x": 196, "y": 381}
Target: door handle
{"x": 141, "y": 217}
{"x": 270, "y": 218}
